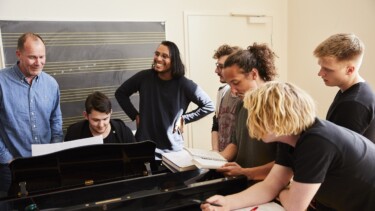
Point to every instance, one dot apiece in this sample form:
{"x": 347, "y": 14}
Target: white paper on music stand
{"x": 42, "y": 149}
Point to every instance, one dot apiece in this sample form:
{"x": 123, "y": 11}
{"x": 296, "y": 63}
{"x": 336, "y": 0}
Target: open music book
{"x": 190, "y": 158}
{"x": 178, "y": 161}
{"x": 206, "y": 159}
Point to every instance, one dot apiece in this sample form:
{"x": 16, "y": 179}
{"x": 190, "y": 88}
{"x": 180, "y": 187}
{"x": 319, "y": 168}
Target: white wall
{"x": 309, "y": 23}
{"x": 299, "y": 25}
{"x": 170, "y": 11}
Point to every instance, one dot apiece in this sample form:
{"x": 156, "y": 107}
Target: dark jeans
{"x": 5, "y": 180}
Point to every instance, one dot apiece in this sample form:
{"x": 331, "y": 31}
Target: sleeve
{"x": 127, "y": 89}
{"x": 124, "y": 132}
{"x": 71, "y": 133}
{"x": 201, "y": 99}
{"x": 358, "y": 119}
{"x": 5, "y": 155}
{"x": 215, "y": 124}
{"x": 56, "y": 120}
{"x": 128, "y": 135}
{"x": 283, "y": 155}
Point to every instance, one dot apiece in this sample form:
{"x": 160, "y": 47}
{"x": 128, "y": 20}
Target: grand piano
{"x": 110, "y": 177}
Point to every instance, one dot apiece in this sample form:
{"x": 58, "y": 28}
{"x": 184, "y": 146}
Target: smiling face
{"x": 99, "y": 122}
{"x": 162, "y": 59}
{"x": 32, "y": 57}
{"x": 239, "y": 81}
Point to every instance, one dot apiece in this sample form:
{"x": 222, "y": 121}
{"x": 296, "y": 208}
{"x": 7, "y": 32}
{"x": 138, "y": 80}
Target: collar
{"x": 20, "y": 75}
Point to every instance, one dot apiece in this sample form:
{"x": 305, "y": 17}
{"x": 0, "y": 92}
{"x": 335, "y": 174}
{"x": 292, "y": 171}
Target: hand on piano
{"x": 213, "y": 202}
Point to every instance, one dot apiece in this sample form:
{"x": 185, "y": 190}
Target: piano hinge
{"x": 89, "y": 182}
{"x": 148, "y": 168}
{"x": 23, "y": 191}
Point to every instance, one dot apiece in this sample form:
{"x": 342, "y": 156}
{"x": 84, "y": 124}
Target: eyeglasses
{"x": 219, "y": 66}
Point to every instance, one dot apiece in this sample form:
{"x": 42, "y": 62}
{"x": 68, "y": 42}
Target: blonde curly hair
{"x": 278, "y": 108}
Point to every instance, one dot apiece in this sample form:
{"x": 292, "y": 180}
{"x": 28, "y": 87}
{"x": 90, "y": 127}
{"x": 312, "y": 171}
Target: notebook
{"x": 206, "y": 159}
{"x": 178, "y": 161}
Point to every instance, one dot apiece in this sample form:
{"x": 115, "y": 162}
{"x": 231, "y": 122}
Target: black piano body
{"x": 134, "y": 182}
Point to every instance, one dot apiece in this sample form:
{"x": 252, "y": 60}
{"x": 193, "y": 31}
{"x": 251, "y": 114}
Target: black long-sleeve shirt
{"x": 161, "y": 104}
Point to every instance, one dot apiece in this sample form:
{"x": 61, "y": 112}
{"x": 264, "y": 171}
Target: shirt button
{"x": 34, "y": 125}
{"x": 36, "y": 138}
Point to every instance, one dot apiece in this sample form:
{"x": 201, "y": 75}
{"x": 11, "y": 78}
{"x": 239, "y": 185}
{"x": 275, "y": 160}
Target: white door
{"x": 203, "y": 35}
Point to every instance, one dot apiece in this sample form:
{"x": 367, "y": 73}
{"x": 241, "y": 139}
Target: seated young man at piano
{"x": 326, "y": 161}
{"x": 98, "y": 110}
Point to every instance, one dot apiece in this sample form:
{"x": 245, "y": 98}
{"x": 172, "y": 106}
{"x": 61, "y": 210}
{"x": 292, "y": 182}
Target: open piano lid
{"x": 81, "y": 166}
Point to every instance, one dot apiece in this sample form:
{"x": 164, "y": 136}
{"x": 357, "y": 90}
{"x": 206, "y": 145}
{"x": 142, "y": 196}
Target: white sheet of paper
{"x": 42, "y": 149}
{"x": 271, "y": 206}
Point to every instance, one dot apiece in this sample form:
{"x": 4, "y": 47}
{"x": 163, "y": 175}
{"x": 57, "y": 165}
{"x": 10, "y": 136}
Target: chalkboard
{"x": 85, "y": 57}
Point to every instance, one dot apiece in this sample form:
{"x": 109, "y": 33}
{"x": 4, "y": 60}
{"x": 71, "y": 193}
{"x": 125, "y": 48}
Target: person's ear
{"x": 85, "y": 114}
{"x": 350, "y": 69}
{"x": 254, "y": 73}
{"x": 18, "y": 54}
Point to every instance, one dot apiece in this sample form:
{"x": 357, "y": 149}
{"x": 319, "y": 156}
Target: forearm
{"x": 229, "y": 152}
{"x": 215, "y": 140}
{"x": 297, "y": 196}
{"x": 259, "y": 193}
{"x": 259, "y": 172}
{"x": 204, "y": 103}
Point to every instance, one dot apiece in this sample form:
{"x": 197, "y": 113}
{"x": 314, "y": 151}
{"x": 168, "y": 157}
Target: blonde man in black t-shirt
{"x": 326, "y": 161}
{"x": 340, "y": 58}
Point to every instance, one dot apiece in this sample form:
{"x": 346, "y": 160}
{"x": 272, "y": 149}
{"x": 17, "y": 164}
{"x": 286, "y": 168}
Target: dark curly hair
{"x": 258, "y": 56}
{"x": 225, "y": 50}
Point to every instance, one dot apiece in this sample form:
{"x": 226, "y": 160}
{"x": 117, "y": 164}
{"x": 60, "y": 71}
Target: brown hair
{"x": 341, "y": 46}
{"x": 225, "y": 50}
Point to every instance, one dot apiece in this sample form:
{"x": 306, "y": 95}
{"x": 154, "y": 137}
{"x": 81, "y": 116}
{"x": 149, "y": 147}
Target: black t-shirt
{"x": 342, "y": 160}
{"x": 355, "y": 109}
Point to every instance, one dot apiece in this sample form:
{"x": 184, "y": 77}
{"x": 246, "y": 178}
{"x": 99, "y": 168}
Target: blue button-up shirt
{"x": 29, "y": 114}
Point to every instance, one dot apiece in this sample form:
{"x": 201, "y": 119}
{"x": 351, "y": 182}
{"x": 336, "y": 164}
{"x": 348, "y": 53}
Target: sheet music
{"x": 42, "y": 149}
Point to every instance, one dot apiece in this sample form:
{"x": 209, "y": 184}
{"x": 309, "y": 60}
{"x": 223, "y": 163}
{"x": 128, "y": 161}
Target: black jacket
{"x": 81, "y": 129}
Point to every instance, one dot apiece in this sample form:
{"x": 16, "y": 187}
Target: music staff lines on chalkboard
{"x": 89, "y": 38}
{"x": 95, "y": 66}
{"x": 73, "y": 95}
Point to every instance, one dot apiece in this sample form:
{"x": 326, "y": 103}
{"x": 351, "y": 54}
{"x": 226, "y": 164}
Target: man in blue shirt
{"x": 29, "y": 105}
